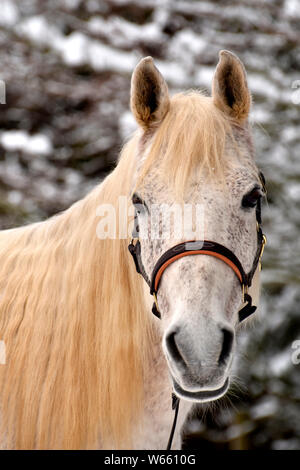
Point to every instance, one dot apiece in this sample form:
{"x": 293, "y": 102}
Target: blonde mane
{"x": 67, "y": 329}
{"x": 197, "y": 138}
{"x": 77, "y": 334}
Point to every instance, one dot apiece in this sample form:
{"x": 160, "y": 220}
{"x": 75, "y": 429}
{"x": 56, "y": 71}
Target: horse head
{"x": 195, "y": 152}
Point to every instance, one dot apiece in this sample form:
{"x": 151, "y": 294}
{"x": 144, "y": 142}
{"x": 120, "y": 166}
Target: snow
{"x": 72, "y": 4}
{"x": 264, "y": 408}
{"x": 15, "y": 197}
{"x": 260, "y": 115}
{"x": 13, "y": 140}
{"x": 263, "y": 86}
{"x": 187, "y": 44}
{"x": 292, "y": 8}
{"x": 293, "y": 191}
{"x": 73, "y": 48}
{"x": 102, "y": 58}
{"x": 77, "y": 48}
{"x": 47, "y": 189}
{"x": 37, "y": 29}
{"x": 72, "y": 177}
{"x": 173, "y": 73}
{"x": 280, "y": 363}
{"x": 290, "y": 133}
{"x": 204, "y": 76}
{"x": 239, "y": 430}
{"x": 38, "y": 144}
{"x": 9, "y": 13}
{"x": 124, "y": 33}
{"x": 127, "y": 125}
{"x": 285, "y": 444}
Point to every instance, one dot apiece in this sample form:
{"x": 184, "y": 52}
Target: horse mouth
{"x": 201, "y": 396}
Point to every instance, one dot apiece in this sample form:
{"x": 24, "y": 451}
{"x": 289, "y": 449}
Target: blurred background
{"x": 66, "y": 65}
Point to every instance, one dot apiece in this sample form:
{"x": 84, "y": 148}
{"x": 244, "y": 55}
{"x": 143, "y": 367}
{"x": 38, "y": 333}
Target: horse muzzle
{"x": 199, "y": 364}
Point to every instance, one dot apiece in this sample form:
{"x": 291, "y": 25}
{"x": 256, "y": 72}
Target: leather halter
{"x": 210, "y": 248}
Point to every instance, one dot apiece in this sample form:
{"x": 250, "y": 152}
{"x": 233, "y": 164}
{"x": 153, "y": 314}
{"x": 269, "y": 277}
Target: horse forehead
{"x": 213, "y": 199}
{"x": 235, "y": 179}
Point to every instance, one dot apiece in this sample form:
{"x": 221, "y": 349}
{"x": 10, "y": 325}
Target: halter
{"x": 210, "y": 248}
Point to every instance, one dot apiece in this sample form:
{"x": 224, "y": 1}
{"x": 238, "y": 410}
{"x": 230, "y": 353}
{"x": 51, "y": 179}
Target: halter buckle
{"x": 244, "y": 292}
{"x": 264, "y": 242}
{"x": 155, "y": 300}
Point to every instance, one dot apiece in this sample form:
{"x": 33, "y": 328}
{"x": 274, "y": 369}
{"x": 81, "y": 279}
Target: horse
{"x": 87, "y": 364}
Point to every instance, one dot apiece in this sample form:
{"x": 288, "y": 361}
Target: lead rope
{"x": 175, "y": 406}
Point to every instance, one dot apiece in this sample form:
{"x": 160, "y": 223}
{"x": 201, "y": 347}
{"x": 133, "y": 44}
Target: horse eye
{"x": 136, "y": 199}
{"x": 251, "y": 199}
{"x": 138, "y": 203}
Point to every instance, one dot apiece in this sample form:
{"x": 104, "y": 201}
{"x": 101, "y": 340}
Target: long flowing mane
{"x": 67, "y": 329}
{"x": 73, "y": 318}
{"x": 196, "y": 138}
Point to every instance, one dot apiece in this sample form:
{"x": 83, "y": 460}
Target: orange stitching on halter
{"x": 196, "y": 252}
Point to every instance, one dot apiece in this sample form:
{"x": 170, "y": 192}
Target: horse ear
{"x": 149, "y": 94}
{"x": 230, "y": 90}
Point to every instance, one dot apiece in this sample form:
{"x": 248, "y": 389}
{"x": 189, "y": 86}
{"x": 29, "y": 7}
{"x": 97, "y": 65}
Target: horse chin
{"x": 201, "y": 396}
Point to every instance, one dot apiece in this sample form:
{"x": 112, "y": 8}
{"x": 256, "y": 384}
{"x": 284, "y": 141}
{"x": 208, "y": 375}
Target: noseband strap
{"x": 196, "y": 248}
{"x": 204, "y": 247}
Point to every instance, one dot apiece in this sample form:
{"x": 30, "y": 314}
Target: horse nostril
{"x": 173, "y": 348}
{"x": 226, "y": 347}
